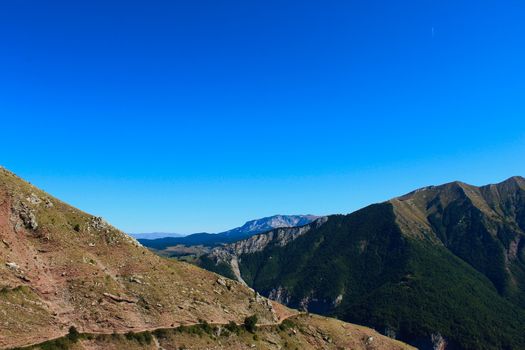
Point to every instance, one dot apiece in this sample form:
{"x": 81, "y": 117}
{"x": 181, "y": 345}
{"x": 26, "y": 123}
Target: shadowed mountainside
{"x": 441, "y": 264}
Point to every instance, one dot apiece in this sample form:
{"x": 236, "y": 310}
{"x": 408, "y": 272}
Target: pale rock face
{"x": 99, "y": 223}
{"x": 280, "y": 295}
{"x": 277, "y": 221}
{"x": 12, "y": 265}
{"x": 27, "y": 216}
{"x": 303, "y": 303}
{"x": 33, "y": 199}
{"x": 438, "y": 342}
{"x": 338, "y": 300}
{"x": 230, "y": 253}
{"x": 280, "y": 236}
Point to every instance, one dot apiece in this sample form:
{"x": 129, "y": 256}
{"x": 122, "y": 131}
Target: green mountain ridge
{"x": 441, "y": 262}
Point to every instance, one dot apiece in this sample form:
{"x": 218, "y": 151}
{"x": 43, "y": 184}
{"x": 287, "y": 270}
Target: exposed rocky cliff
{"x": 229, "y": 254}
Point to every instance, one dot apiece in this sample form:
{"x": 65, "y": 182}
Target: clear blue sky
{"x": 188, "y": 116}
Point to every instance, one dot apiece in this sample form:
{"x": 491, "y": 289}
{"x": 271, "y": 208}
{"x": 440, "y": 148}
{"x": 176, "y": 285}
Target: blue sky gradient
{"x": 188, "y": 116}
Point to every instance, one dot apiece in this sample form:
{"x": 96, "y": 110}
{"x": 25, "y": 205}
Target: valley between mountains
{"x": 70, "y": 280}
{"x": 442, "y": 267}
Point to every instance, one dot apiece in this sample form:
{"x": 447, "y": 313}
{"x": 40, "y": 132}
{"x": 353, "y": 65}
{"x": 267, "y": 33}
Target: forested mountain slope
{"x": 445, "y": 261}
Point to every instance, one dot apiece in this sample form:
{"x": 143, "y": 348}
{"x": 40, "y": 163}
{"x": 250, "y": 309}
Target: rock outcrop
{"x": 229, "y": 254}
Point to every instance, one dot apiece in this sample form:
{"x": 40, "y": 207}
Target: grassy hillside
{"x": 62, "y": 268}
{"x": 482, "y": 226}
{"x": 299, "y": 332}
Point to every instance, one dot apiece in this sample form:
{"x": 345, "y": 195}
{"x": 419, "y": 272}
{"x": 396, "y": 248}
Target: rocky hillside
{"x": 227, "y": 256}
{"x": 455, "y": 251}
{"x": 60, "y": 267}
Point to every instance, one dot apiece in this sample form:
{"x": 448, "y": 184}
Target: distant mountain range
{"x": 442, "y": 267}
{"x": 155, "y": 235}
{"x": 213, "y": 239}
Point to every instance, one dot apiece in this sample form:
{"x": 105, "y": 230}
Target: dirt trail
{"x": 152, "y": 329}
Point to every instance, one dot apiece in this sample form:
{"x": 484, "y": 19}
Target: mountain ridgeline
{"x": 442, "y": 267}
{"x": 250, "y": 228}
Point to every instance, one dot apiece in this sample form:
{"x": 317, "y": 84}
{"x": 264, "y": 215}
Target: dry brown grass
{"x": 76, "y": 270}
